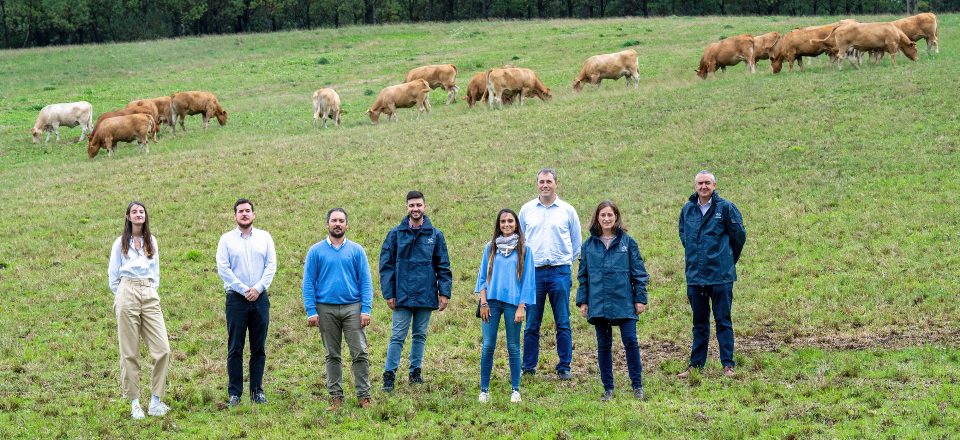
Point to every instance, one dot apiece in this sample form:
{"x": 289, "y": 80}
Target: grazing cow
{"x": 865, "y": 37}
{"x": 164, "y": 112}
{"x": 406, "y": 95}
{"x": 326, "y": 104}
{"x": 69, "y": 114}
{"x": 727, "y": 52}
{"x": 763, "y": 45}
{"x": 476, "y": 89}
{"x": 196, "y": 103}
{"x": 437, "y": 75}
{"x": 146, "y": 109}
{"x": 128, "y": 128}
{"x": 517, "y": 81}
{"x": 609, "y": 66}
{"x": 920, "y": 26}
{"x": 796, "y": 44}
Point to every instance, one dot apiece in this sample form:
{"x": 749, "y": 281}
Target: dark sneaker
{"x": 728, "y": 371}
{"x": 365, "y": 402}
{"x": 638, "y": 393}
{"x": 389, "y": 377}
{"x": 415, "y": 377}
{"x": 529, "y": 372}
{"x": 234, "y": 401}
{"x": 607, "y": 396}
{"x": 335, "y": 403}
{"x": 259, "y": 398}
{"x": 685, "y": 373}
{"x": 565, "y": 375}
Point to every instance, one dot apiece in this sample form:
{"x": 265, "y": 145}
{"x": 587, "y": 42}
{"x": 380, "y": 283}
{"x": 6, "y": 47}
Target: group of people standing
{"x": 526, "y": 264}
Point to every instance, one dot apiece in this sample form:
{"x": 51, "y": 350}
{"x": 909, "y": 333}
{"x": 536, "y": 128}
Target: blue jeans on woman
{"x": 628, "y": 334}
{"x": 402, "y": 318}
{"x": 506, "y": 311}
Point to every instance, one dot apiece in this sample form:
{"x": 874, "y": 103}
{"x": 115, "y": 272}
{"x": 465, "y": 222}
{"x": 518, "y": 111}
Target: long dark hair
{"x": 128, "y": 231}
{"x": 596, "y": 229}
{"x": 492, "y": 252}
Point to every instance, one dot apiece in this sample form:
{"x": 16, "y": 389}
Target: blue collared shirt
{"x": 245, "y": 262}
{"x": 706, "y": 207}
{"x": 134, "y": 264}
{"x": 553, "y": 232}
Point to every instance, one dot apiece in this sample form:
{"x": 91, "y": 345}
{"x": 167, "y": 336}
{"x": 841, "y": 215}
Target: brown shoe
{"x": 685, "y": 373}
{"x": 365, "y": 402}
{"x": 335, "y": 403}
{"x": 728, "y": 371}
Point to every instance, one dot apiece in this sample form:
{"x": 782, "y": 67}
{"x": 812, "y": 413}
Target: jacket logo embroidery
{"x": 623, "y": 248}
{"x": 430, "y": 240}
{"x": 718, "y": 216}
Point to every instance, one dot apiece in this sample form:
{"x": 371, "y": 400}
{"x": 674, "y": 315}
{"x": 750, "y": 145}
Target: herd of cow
{"x": 843, "y": 39}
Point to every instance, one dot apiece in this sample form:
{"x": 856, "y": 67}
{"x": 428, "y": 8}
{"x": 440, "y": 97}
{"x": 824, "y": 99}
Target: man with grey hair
{"x": 712, "y": 234}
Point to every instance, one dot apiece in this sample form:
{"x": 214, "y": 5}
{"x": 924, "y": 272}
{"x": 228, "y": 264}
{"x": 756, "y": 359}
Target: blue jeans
{"x": 402, "y": 317}
{"x": 490, "y": 328}
{"x": 721, "y": 295}
{"x": 553, "y": 283}
{"x": 628, "y": 334}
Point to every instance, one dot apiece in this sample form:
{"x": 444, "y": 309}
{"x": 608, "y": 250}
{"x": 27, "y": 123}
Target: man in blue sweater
{"x": 338, "y": 296}
{"x": 415, "y": 279}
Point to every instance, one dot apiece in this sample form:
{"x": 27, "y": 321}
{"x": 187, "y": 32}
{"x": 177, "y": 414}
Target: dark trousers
{"x": 243, "y": 315}
{"x": 628, "y": 334}
{"x": 701, "y": 297}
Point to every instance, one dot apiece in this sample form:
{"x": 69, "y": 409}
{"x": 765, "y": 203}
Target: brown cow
{"x": 146, "y": 109}
{"x": 437, "y": 75}
{"x": 796, "y": 44}
{"x": 164, "y": 112}
{"x": 128, "y": 128}
{"x": 609, "y": 66}
{"x": 406, "y": 95}
{"x": 869, "y": 37}
{"x": 763, "y": 45}
{"x": 516, "y": 81}
{"x": 476, "y": 89}
{"x": 727, "y": 52}
{"x": 326, "y": 104}
{"x": 920, "y": 26}
{"x": 196, "y": 103}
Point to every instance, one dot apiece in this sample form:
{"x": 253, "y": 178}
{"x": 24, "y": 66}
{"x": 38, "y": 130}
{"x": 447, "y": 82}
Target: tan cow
{"x": 797, "y": 44}
{"x": 406, "y": 95}
{"x": 438, "y": 75}
{"x": 727, "y": 52}
{"x": 128, "y": 128}
{"x": 196, "y": 103}
{"x": 763, "y": 45}
{"x": 867, "y": 37}
{"x": 476, "y": 89}
{"x": 920, "y": 26}
{"x": 164, "y": 112}
{"x": 146, "y": 109}
{"x": 326, "y": 104}
{"x": 609, "y": 66}
{"x": 68, "y": 114}
{"x": 517, "y": 81}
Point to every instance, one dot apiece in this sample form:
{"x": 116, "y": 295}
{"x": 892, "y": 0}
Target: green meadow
{"x": 845, "y": 311}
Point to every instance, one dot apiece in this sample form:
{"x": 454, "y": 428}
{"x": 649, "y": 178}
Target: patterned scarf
{"x": 506, "y": 244}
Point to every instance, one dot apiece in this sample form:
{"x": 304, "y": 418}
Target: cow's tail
{"x": 173, "y": 111}
{"x": 491, "y": 96}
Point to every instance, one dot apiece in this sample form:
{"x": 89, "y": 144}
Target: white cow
{"x": 326, "y": 104}
{"x": 69, "y": 114}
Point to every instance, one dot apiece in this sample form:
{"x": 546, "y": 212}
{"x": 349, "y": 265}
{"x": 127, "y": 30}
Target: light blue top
{"x": 336, "y": 275}
{"x": 503, "y": 284}
{"x": 133, "y": 265}
{"x": 245, "y": 262}
{"x": 704, "y": 208}
{"x": 553, "y": 232}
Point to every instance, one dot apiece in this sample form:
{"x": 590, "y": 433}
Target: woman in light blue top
{"x": 505, "y": 286}
{"x": 134, "y": 275}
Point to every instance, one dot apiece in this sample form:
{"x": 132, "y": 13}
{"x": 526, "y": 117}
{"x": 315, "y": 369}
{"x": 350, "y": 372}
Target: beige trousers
{"x": 137, "y": 307}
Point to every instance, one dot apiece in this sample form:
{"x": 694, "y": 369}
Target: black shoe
{"x": 259, "y": 398}
{"x": 565, "y": 375}
{"x": 234, "y": 401}
{"x": 529, "y": 372}
{"x": 389, "y": 377}
{"x": 638, "y": 393}
{"x": 607, "y": 396}
{"x": 415, "y": 378}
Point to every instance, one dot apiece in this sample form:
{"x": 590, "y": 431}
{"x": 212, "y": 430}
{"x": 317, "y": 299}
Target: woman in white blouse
{"x": 134, "y": 275}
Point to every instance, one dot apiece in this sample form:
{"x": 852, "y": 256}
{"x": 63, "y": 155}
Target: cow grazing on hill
{"x": 438, "y": 75}
{"x": 476, "y": 89}
{"x": 146, "y": 109}
{"x": 763, "y": 45}
{"x": 920, "y": 26}
{"x": 409, "y": 94}
{"x": 517, "y": 81}
{"x": 326, "y": 104}
{"x": 205, "y": 104}
{"x": 797, "y": 44}
{"x": 609, "y": 66}
{"x": 68, "y": 114}
{"x": 727, "y": 52}
{"x": 164, "y": 112}
{"x": 866, "y": 37}
{"x": 128, "y": 128}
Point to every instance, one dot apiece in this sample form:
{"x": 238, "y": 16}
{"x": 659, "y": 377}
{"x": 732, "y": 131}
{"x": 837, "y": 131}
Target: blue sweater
{"x": 336, "y": 276}
{"x": 503, "y": 284}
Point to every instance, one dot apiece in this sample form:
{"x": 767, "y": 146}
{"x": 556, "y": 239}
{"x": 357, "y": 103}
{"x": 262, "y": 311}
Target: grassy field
{"x": 845, "y": 312}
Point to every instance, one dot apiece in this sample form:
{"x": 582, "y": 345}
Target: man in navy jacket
{"x": 415, "y": 279}
{"x": 712, "y": 233}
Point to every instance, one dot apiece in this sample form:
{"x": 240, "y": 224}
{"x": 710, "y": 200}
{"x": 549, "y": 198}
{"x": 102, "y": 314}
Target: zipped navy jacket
{"x": 712, "y": 242}
{"x": 611, "y": 280}
{"x": 414, "y": 265}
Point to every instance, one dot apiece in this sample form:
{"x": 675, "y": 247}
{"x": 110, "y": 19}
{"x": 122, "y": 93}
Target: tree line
{"x": 32, "y": 23}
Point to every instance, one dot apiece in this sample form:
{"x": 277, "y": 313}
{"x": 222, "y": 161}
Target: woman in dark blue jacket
{"x": 613, "y": 292}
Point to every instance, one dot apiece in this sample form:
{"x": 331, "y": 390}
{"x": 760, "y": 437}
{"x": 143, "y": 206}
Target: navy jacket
{"x": 611, "y": 280}
{"x": 712, "y": 242}
{"x": 414, "y": 265}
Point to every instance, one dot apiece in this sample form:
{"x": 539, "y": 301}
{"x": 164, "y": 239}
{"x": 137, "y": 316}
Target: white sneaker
{"x": 515, "y": 396}
{"x": 136, "y": 412}
{"x": 484, "y": 397}
{"x": 157, "y": 409}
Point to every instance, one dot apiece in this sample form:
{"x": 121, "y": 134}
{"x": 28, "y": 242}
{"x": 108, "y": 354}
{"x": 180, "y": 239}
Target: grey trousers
{"x": 338, "y": 321}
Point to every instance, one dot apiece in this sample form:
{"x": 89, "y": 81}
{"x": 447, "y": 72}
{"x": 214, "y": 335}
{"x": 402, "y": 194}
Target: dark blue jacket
{"x": 414, "y": 265}
{"x": 611, "y": 280}
{"x": 712, "y": 242}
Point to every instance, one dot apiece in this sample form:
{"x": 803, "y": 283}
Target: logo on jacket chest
{"x": 430, "y": 240}
{"x": 623, "y": 248}
{"x": 718, "y": 216}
